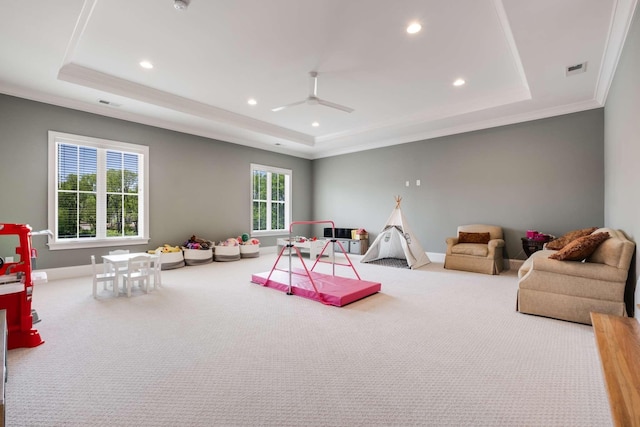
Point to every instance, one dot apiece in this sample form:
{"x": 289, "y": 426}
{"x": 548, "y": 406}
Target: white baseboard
{"x": 436, "y": 257}
{"x": 269, "y": 250}
{"x": 86, "y": 270}
{"x": 515, "y": 264}
{"x": 68, "y": 272}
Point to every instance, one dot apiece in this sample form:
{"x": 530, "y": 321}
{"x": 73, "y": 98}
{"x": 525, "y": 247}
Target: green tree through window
{"x": 270, "y": 198}
{"x": 122, "y": 197}
{"x": 98, "y": 191}
{"x": 76, "y": 191}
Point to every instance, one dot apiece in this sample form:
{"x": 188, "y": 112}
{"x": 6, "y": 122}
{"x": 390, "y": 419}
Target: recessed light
{"x": 146, "y": 64}
{"x": 413, "y": 28}
{"x": 315, "y": 124}
{"x": 459, "y": 82}
{"x": 252, "y": 101}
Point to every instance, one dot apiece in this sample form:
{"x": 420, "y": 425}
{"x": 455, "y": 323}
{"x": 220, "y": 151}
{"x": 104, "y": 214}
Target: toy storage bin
{"x": 227, "y": 253}
{"x": 197, "y": 256}
{"x": 171, "y": 260}
{"x": 249, "y": 251}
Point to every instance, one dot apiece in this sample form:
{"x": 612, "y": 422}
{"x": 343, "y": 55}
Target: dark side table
{"x": 530, "y": 246}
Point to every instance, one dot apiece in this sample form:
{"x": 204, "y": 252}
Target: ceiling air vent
{"x": 105, "y": 102}
{"x": 576, "y": 69}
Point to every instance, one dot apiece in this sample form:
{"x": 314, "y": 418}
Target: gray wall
{"x": 197, "y": 185}
{"x": 546, "y": 175}
{"x": 622, "y": 149}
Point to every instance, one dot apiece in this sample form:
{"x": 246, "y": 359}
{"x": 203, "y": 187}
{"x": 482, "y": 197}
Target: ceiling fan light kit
{"x": 313, "y": 99}
{"x": 180, "y": 4}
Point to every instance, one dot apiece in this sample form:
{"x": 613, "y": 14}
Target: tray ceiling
{"x": 212, "y": 57}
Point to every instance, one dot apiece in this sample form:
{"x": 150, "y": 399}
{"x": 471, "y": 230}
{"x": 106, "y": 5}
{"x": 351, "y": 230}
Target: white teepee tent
{"x": 397, "y": 241}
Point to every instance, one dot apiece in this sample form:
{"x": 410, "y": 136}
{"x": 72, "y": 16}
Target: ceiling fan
{"x": 313, "y": 99}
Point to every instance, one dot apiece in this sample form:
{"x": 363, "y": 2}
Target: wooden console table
{"x": 618, "y": 341}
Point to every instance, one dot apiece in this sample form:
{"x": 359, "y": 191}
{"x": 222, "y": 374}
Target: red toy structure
{"x": 16, "y": 289}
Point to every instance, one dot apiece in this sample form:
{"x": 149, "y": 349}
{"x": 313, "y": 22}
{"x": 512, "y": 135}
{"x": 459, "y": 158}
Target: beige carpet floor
{"x": 434, "y": 348}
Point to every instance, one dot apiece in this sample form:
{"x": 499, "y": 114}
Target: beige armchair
{"x": 463, "y": 253}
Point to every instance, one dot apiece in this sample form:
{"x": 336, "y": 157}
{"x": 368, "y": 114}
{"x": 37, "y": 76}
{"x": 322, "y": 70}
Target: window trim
{"x": 102, "y": 144}
{"x": 288, "y": 204}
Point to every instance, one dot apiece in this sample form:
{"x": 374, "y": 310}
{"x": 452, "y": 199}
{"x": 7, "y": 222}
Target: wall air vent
{"x": 576, "y": 69}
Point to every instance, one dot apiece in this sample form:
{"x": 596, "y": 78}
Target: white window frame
{"x": 102, "y": 145}
{"x": 288, "y": 200}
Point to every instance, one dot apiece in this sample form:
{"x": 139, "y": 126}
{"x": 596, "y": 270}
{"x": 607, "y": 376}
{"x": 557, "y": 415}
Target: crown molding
{"x": 454, "y": 130}
{"x": 83, "y": 76}
{"x": 621, "y": 19}
{"x": 150, "y": 121}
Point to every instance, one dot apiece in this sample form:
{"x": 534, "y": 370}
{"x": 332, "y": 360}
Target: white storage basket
{"x": 227, "y": 253}
{"x": 197, "y": 256}
{"x": 171, "y": 260}
{"x": 249, "y": 251}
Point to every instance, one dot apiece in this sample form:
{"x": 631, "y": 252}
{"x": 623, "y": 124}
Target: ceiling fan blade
{"x": 334, "y": 105}
{"x": 282, "y": 107}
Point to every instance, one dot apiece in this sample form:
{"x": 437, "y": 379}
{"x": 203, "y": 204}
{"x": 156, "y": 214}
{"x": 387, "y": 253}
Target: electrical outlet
{"x": 417, "y": 183}
{"x": 406, "y": 183}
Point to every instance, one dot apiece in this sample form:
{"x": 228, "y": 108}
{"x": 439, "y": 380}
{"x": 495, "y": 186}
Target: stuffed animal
{"x": 248, "y": 240}
{"x": 165, "y": 249}
{"x": 231, "y": 241}
{"x": 197, "y": 243}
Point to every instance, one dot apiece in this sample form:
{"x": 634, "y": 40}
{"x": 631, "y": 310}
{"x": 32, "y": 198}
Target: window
{"x": 98, "y": 192}
{"x": 271, "y": 199}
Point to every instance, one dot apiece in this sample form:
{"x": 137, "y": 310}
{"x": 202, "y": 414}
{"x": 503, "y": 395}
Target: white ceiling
{"x": 212, "y": 57}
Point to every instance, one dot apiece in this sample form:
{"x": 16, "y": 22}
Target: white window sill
{"x": 269, "y": 233}
{"x": 85, "y": 244}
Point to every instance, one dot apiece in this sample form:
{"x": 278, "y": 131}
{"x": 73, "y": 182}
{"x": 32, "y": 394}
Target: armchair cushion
{"x": 475, "y": 249}
{"x": 466, "y": 237}
{"x": 580, "y": 248}
{"x": 565, "y": 239}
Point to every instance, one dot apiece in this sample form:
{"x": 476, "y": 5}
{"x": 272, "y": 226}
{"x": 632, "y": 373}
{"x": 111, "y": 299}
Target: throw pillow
{"x": 567, "y": 238}
{"x": 580, "y": 248}
{"x": 464, "y": 237}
